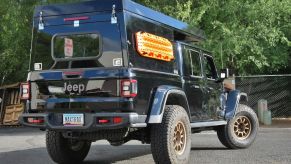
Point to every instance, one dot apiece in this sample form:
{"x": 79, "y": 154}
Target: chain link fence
{"x": 275, "y": 89}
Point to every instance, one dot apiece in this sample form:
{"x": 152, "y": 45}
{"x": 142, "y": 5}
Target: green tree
{"x": 252, "y": 36}
{"x": 15, "y": 37}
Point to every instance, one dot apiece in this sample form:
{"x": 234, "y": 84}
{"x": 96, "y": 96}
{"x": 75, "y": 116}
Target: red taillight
{"x": 117, "y": 120}
{"x": 35, "y": 120}
{"x": 25, "y": 91}
{"x": 103, "y": 121}
{"x": 75, "y": 18}
{"x": 128, "y": 88}
{"x": 109, "y": 120}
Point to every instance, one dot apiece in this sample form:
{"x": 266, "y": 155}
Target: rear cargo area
{"x": 87, "y": 91}
{"x": 79, "y": 49}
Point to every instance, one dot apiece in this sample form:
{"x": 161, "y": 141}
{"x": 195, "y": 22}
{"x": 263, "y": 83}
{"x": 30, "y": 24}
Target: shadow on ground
{"x": 99, "y": 154}
{"x": 208, "y": 148}
{"x": 108, "y": 154}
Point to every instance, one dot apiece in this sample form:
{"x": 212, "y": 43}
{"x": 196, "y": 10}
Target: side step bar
{"x": 207, "y": 124}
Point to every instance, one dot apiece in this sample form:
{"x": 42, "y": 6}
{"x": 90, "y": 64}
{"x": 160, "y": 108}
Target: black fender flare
{"x": 233, "y": 99}
{"x": 244, "y": 97}
{"x": 159, "y": 99}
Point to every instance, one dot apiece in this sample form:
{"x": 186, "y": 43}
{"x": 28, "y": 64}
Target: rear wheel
{"x": 171, "y": 140}
{"x": 241, "y": 131}
{"x": 64, "y": 150}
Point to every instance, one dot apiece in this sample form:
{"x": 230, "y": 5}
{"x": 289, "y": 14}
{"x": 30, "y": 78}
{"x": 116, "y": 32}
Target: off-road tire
{"x": 163, "y": 134}
{"x": 61, "y": 151}
{"x": 238, "y": 138}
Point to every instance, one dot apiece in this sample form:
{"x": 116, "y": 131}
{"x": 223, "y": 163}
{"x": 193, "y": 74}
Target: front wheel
{"x": 241, "y": 131}
{"x": 171, "y": 140}
{"x": 63, "y": 150}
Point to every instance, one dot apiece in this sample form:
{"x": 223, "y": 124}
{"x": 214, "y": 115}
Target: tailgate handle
{"x": 72, "y": 76}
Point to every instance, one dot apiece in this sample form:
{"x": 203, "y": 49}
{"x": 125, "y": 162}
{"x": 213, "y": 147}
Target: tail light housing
{"x": 35, "y": 120}
{"x": 109, "y": 120}
{"x": 128, "y": 88}
{"x": 117, "y": 120}
{"x": 25, "y": 91}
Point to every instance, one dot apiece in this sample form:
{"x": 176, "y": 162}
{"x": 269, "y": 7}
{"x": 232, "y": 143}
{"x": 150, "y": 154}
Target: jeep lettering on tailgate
{"x": 74, "y": 87}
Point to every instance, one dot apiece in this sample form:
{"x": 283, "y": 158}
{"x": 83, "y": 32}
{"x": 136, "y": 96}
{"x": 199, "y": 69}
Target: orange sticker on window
{"x": 152, "y": 46}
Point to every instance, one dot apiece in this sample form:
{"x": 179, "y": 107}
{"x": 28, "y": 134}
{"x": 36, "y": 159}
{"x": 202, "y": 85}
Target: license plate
{"x": 73, "y": 119}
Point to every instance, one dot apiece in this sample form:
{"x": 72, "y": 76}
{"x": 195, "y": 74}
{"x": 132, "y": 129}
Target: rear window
{"x": 76, "y": 46}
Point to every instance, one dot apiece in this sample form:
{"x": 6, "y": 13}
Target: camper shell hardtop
{"x": 181, "y": 30}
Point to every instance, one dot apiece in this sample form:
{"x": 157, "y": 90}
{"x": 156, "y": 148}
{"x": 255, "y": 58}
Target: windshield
{"x": 76, "y": 46}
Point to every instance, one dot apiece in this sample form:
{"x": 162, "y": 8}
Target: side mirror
{"x": 224, "y": 73}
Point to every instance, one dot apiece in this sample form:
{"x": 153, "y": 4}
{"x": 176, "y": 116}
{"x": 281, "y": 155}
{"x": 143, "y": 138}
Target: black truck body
{"x": 117, "y": 42}
{"x": 102, "y": 84}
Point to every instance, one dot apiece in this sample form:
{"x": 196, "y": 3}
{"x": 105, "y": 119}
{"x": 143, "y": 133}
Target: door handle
{"x": 210, "y": 88}
{"x": 195, "y": 86}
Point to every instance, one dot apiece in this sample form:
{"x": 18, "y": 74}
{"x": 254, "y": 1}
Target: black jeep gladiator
{"x": 119, "y": 71}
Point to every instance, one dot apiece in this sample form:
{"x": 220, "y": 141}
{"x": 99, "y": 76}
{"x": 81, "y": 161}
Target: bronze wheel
{"x": 242, "y": 127}
{"x": 171, "y": 139}
{"x": 241, "y": 131}
{"x": 179, "y": 138}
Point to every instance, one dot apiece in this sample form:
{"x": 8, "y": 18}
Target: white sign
{"x": 113, "y": 20}
{"x": 76, "y": 23}
{"x": 37, "y": 66}
{"x": 41, "y": 26}
{"x": 117, "y": 62}
{"x": 69, "y": 48}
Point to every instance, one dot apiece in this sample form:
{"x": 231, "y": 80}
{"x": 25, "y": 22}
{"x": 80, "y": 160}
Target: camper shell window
{"x": 75, "y": 46}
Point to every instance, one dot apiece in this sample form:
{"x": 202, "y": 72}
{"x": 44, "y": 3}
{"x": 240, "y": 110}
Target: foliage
{"x": 15, "y": 37}
{"x": 251, "y": 36}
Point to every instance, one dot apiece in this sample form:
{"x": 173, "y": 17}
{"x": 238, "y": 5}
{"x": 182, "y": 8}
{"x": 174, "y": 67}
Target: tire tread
{"x": 223, "y": 132}
{"x": 59, "y": 151}
{"x": 161, "y": 132}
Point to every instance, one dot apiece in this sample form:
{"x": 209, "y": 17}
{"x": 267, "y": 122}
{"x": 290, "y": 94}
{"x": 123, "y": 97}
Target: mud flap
{"x": 231, "y": 104}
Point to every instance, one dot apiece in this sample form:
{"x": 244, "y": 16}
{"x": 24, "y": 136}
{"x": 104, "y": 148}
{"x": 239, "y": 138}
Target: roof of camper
{"x": 194, "y": 34}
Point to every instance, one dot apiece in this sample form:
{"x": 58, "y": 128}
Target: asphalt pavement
{"x": 272, "y": 146}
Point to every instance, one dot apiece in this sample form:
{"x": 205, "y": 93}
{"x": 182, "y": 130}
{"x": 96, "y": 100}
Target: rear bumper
{"x": 54, "y": 121}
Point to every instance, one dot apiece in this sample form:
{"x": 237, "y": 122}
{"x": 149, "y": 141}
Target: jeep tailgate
{"x": 76, "y": 76}
{"x": 91, "y": 90}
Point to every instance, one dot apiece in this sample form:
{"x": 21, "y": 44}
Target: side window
{"x": 209, "y": 67}
{"x": 195, "y": 63}
{"x": 186, "y": 62}
{"x": 192, "y": 63}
